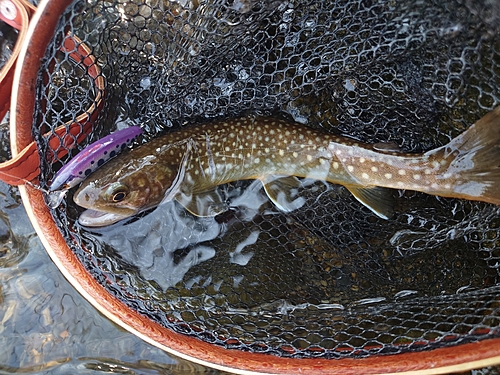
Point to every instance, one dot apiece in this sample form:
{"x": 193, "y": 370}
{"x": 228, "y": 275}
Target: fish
{"x": 88, "y": 160}
{"x": 189, "y": 164}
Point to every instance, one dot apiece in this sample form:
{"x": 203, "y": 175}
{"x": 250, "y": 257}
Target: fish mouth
{"x": 94, "y": 218}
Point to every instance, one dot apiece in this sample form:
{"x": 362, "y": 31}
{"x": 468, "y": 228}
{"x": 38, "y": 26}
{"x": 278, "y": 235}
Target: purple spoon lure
{"x": 88, "y": 160}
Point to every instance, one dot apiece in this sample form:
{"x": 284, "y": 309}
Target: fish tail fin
{"x": 474, "y": 169}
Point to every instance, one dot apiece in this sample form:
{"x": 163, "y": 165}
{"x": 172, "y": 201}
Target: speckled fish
{"x": 189, "y": 164}
{"x": 88, "y": 160}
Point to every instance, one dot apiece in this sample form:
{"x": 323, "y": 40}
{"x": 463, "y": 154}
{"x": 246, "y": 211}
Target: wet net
{"x": 330, "y": 279}
{"x": 8, "y": 37}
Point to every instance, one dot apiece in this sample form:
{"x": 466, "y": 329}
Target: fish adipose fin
{"x": 283, "y": 192}
{"x": 379, "y": 200}
{"x": 474, "y": 170}
{"x": 386, "y": 147}
{"x": 204, "y": 204}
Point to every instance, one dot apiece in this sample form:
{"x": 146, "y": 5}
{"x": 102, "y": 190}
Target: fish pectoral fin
{"x": 379, "y": 200}
{"x": 203, "y": 204}
{"x": 283, "y": 192}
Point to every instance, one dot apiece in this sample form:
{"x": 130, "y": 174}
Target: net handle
{"x": 25, "y": 166}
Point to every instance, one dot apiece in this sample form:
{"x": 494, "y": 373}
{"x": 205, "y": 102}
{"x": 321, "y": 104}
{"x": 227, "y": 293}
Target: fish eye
{"x": 118, "y": 196}
{"x": 117, "y": 192}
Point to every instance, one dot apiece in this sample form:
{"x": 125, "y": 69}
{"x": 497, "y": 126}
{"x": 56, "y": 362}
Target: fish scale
{"x": 189, "y": 164}
{"x": 253, "y": 153}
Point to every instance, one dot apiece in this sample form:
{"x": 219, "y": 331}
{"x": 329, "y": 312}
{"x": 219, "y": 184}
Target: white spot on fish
{"x": 350, "y": 168}
{"x": 374, "y": 169}
{"x": 362, "y": 160}
{"x": 335, "y": 164}
{"x": 388, "y": 176}
{"x": 416, "y": 176}
{"x": 401, "y": 172}
{"x": 365, "y": 176}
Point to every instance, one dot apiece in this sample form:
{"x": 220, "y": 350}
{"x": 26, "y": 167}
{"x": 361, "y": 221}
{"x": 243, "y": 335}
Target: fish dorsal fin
{"x": 386, "y": 147}
{"x": 283, "y": 192}
{"x": 203, "y": 204}
{"x": 377, "y": 199}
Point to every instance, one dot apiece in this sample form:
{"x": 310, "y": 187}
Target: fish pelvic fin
{"x": 283, "y": 191}
{"x": 472, "y": 162}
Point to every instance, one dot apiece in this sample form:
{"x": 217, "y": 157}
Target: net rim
{"x": 437, "y": 361}
{"x": 7, "y": 71}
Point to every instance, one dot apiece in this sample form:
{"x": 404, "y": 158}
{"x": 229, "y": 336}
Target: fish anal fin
{"x": 203, "y": 204}
{"x": 379, "y": 200}
{"x": 283, "y": 192}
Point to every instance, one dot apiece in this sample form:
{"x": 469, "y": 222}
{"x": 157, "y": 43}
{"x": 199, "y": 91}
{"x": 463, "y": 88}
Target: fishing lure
{"x": 88, "y": 160}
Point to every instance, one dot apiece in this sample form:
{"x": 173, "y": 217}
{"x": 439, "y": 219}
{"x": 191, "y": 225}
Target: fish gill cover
{"x": 330, "y": 279}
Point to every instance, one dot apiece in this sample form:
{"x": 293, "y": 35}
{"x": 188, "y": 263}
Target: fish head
{"x": 113, "y": 194}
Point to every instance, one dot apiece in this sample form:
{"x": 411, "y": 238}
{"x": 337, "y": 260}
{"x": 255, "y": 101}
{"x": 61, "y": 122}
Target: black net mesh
{"x": 331, "y": 279}
{"x": 8, "y": 37}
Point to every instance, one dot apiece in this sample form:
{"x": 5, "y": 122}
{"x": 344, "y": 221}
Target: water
{"x": 46, "y": 327}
